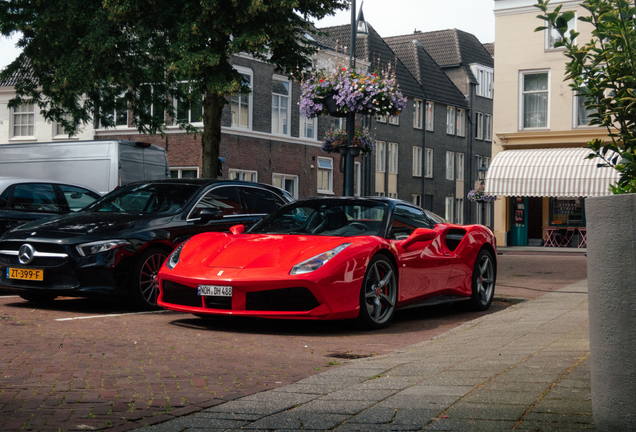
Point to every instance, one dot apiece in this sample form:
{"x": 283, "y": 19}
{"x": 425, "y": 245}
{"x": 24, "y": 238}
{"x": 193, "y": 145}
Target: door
{"x": 519, "y": 223}
{"x": 535, "y": 221}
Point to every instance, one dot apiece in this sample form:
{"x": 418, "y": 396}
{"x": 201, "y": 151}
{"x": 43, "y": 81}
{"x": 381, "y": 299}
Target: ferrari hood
{"x": 253, "y": 251}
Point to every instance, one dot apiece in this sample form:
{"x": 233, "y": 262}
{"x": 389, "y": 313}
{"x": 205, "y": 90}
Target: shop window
{"x": 567, "y": 211}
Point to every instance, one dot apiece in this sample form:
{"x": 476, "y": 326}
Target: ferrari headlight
{"x": 100, "y": 246}
{"x": 316, "y": 262}
{"x": 173, "y": 259}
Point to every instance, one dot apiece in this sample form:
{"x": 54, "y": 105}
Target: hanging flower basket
{"x": 346, "y": 90}
{"x": 336, "y": 141}
{"x": 478, "y": 196}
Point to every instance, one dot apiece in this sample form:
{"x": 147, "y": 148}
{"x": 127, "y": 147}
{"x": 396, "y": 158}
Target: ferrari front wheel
{"x": 483, "y": 282}
{"x": 378, "y": 295}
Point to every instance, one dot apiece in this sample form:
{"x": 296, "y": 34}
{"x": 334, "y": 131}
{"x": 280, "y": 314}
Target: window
{"x": 380, "y": 156}
{"x": 459, "y": 168}
{"x": 461, "y": 122}
{"x": 357, "y": 179}
{"x": 58, "y": 128}
{"x": 459, "y": 211}
{"x": 417, "y": 200}
{"x": 429, "y": 163}
{"x": 393, "y": 158}
{"x": 483, "y": 213}
{"x": 394, "y": 120}
{"x": 281, "y": 93}
{"x": 340, "y": 123}
{"x": 484, "y": 76}
{"x": 381, "y": 119}
{"x": 479, "y": 125}
{"x": 450, "y": 120}
{"x": 325, "y": 175}
{"x": 226, "y": 199}
{"x": 241, "y": 104}
{"x": 260, "y": 201}
{"x": 417, "y": 161}
{"x": 35, "y": 197}
{"x": 185, "y": 172}
{"x": 535, "y": 96}
{"x": 407, "y": 219}
{"x": 552, "y": 36}
{"x": 189, "y": 109}
{"x": 581, "y": 112}
{"x": 236, "y": 174}
{"x": 77, "y": 198}
{"x": 429, "y": 115}
{"x": 450, "y": 166}
{"x": 24, "y": 121}
{"x": 488, "y": 127}
{"x": 448, "y": 208}
{"x": 287, "y": 182}
{"x": 418, "y": 114}
{"x": 308, "y": 127}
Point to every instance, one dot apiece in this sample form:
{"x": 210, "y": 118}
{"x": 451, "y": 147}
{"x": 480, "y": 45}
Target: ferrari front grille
{"x": 284, "y": 300}
{"x": 182, "y": 295}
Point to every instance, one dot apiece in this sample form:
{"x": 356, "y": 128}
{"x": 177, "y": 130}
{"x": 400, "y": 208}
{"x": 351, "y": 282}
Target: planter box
{"x": 611, "y": 270}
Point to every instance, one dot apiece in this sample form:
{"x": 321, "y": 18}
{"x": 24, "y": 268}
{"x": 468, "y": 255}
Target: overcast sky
{"x": 388, "y": 18}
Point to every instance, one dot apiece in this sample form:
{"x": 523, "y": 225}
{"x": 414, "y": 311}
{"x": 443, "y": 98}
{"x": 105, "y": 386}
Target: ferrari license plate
{"x": 25, "y": 274}
{"x": 215, "y": 290}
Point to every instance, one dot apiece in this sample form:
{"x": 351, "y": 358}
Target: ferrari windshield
{"x": 326, "y": 218}
{"x": 146, "y": 198}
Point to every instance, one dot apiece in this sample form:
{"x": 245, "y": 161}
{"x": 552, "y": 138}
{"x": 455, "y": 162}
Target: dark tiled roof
{"x": 376, "y": 51}
{"x": 436, "y": 84}
{"x": 490, "y": 47}
{"x": 24, "y": 72}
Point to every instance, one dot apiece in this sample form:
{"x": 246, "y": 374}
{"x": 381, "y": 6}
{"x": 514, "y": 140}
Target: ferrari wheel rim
{"x": 148, "y": 284}
{"x": 485, "y": 280}
{"x": 380, "y": 292}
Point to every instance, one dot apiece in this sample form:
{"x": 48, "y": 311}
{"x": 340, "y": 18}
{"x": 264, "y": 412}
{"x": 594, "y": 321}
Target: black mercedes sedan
{"x": 116, "y": 245}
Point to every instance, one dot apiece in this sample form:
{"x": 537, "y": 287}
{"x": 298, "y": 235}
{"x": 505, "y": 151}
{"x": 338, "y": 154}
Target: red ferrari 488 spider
{"x": 333, "y": 258}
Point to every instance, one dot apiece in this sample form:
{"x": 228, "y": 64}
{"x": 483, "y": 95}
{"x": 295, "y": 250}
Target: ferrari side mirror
{"x": 419, "y": 235}
{"x": 237, "y": 229}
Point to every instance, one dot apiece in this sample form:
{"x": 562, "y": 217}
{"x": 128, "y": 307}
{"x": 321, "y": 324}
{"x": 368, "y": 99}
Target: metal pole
{"x": 351, "y": 117}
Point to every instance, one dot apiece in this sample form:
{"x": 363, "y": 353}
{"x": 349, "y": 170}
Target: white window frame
{"x": 61, "y": 134}
{"x": 458, "y": 211}
{"x": 522, "y": 74}
{"x": 484, "y": 76}
{"x": 283, "y": 122}
{"x": 459, "y": 166}
{"x": 184, "y": 168}
{"x": 241, "y": 174}
{"x": 24, "y": 111}
{"x": 450, "y": 165}
{"x": 392, "y": 153}
{"x": 461, "y": 122}
{"x": 575, "y": 112}
{"x": 328, "y": 170}
{"x": 339, "y": 123}
{"x": 428, "y": 163}
{"x": 381, "y": 118}
{"x": 416, "y": 199}
{"x": 430, "y": 116}
{"x": 176, "y": 108}
{"x": 418, "y": 113}
{"x": 284, "y": 177}
{"x": 450, "y": 120}
{"x": 552, "y": 35}
{"x": 394, "y": 120}
{"x": 479, "y": 125}
{"x": 448, "y": 208}
{"x": 304, "y": 122}
{"x": 417, "y": 161}
{"x": 357, "y": 175}
{"x": 240, "y": 97}
{"x": 380, "y": 156}
{"x": 487, "y": 127}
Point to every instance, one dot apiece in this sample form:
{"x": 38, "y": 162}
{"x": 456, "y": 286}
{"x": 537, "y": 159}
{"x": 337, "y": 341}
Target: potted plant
{"x": 477, "y": 195}
{"x": 336, "y": 140}
{"x": 602, "y": 71}
{"x": 342, "y": 90}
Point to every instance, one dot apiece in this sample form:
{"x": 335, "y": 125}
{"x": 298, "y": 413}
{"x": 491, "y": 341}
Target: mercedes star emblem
{"x": 25, "y": 254}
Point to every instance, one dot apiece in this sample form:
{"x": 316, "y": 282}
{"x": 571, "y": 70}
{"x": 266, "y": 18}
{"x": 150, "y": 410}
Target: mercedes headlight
{"x": 318, "y": 261}
{"x": 173, "y": 259}
{"x": 100, "y": 246}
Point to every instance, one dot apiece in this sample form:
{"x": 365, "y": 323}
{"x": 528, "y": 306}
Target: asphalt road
{"x": 93, "y": 364}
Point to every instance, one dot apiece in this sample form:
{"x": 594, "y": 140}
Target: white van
{"x": 100, "y": 165}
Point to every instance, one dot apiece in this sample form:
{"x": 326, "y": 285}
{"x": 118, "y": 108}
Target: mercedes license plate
{"x": 25, "y": 274}
{"x": 215, "y": 290}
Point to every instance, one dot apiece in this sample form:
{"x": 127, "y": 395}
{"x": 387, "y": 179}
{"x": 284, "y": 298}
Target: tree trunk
{"x": 211, "y": 137}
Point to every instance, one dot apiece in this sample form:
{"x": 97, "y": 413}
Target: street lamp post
{"x": 357, "y": 26}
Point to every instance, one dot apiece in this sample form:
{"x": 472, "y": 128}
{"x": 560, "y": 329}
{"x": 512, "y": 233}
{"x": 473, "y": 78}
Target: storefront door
{"x": 519, "y": 223}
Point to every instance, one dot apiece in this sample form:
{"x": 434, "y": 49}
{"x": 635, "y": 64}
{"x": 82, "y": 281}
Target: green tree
{"x": 603, "y": 71}
{"x": 82, "y": 60}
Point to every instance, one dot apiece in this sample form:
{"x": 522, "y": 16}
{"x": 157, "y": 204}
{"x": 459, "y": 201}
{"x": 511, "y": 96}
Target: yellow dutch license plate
{"x": 25, "y": 274}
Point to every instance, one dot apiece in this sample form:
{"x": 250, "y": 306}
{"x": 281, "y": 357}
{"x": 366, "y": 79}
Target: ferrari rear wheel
{"x": 144, "y": 288}
{"x": 378, "y": 295}
{"x": 483, "y": 282}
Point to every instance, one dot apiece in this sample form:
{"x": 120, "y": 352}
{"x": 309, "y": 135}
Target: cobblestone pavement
{"x": 119, "y": 372}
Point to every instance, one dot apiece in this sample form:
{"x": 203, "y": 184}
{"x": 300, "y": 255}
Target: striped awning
{"x": 558, "y": 172}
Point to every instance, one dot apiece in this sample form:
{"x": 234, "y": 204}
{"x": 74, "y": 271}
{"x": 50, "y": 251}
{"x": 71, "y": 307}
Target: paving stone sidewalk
{"x": 523, "y": 368}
